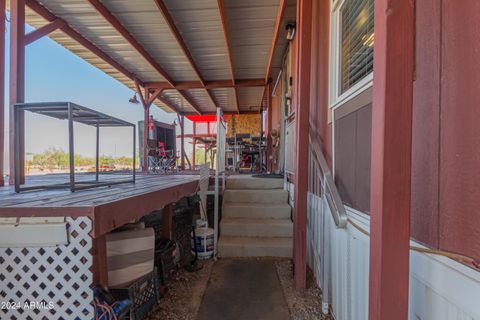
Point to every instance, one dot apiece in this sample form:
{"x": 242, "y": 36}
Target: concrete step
{"x": 254, "y": 247}
{"x": 255, "y": 196}
{"x": 249, "y": 182}
{"x": 256, "y": 227}
{"x": 257, "y": 210}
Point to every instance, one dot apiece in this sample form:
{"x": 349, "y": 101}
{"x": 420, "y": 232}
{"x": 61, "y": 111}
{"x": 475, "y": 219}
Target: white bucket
{"x": 204, "y": 242}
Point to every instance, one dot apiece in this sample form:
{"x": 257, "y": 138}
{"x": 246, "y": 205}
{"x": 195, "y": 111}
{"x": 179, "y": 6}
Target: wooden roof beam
{"x": 50, "y": 17}
{"x": 190, "y": 101}
{"x": 276, "y": 32}
{"x": 169, "y": 104}
{"x": 215, "y": 84}
{"x": 107, "y": 15}
{"x": 173, "y": 28}
{"x": 225, "y": 113}
{"x": 221, "y": 9}
{"x": 44, "y": 30}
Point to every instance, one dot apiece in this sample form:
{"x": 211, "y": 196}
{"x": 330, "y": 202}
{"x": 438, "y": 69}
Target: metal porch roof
{"x": 250, "y": 28}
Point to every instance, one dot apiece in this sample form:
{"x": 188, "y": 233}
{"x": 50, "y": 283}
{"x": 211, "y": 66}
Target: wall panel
{"x": 425, "y": 126}
{"x": 460, "y": 128}
{"x": 353, "y": 157}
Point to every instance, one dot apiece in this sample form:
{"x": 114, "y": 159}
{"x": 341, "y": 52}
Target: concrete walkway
{"x": 244, "y": 289}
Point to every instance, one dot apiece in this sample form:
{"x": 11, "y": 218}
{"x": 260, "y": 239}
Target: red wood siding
{"x": 460, "y": 128}
{"x": 425, "y": 126}
{"x": 446, "y": 127}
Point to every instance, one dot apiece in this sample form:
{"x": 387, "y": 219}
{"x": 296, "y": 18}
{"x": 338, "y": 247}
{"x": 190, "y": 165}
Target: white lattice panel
{"x": 57, "y": 279}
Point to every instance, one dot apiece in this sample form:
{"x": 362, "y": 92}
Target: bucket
{"x": 204, "y": 243}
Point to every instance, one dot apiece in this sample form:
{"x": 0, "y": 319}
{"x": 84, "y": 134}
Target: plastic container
{"x": 142, "y": 293}
{"x": 204, "y": 243}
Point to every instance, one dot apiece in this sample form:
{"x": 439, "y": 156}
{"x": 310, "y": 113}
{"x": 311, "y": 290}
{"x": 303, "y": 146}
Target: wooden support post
{"x": 391, "y": 159}
{"x": 2, "y": 91}
{"x": 194, "y": 142}
{"x": 268, "y": 129}
{"x": 147, "y": 101}
{"x": 100, "y": 267}
{"x": 146, "y": 120}
{"x": 167, "y": 222}
{"x": 182, "y": 141}
{"x": 17, "y": 84}
{"x": 302, "y": 90}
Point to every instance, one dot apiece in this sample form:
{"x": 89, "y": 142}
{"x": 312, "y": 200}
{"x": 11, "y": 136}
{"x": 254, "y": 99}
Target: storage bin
{"x": 143, "y": 293}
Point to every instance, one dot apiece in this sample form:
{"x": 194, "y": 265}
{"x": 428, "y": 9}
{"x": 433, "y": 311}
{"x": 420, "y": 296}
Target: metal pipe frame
{"x": 19, "y": 110}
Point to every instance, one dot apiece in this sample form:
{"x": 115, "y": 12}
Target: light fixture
{"x": 134, "y": 99}
{"x": 290, "y": 30}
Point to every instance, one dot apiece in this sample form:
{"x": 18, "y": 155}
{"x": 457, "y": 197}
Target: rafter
{"x": 190, "y": 101}
{"x": 107, "y": 15}
{"x": 215, "y": 84}
{"x": 221, "y": 9}
{"x": 44, "y": 30}
{"x": 169, "y": 104}
{"x": 47, "y": 15}
{"x": 181, "y": 42}
{"x": 225, "y": 113}
{"x": 278, "y": 23}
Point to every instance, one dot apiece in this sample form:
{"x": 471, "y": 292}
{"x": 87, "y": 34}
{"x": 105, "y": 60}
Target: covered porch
{"x": 272, "y": 62}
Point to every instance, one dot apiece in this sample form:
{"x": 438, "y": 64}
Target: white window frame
{"x": 336, "y": 98}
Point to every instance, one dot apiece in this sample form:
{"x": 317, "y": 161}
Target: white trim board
{"x": 33, "y": 235}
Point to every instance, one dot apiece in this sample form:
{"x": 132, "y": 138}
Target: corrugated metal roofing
{"x": 145, "y": 22}
{"x": 250, "y": 28}
{"x": 176, "y": 99}
{"x": 250, "y": 98}
{"x": 201, "y": 98}
{"x": 251, "y": 25}
{"x": 289, "y": 16}
{"x": 199, "y": 23}
{"x": 226, "y": 99}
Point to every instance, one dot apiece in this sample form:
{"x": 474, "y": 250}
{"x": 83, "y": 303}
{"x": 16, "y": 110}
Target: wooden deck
{"x": 108, "y": 207}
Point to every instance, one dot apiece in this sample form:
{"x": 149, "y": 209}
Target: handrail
{"x": 330, "y": 190}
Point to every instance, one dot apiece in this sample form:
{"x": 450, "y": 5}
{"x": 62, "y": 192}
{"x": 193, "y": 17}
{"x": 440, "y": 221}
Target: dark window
{"x": 357, "y": 36}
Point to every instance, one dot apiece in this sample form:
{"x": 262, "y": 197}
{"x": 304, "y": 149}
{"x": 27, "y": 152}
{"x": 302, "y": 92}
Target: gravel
{"x": 306, "y": 307}
{"x": 184, "y": 295}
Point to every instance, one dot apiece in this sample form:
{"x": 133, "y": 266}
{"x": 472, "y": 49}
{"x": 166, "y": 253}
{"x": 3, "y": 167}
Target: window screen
{"x": 357, "y": 41}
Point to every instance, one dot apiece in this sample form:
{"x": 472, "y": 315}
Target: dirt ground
{"x": 186, "y": 291}
{"x": 307, "y": 307}
{"x": 184, "y": 295}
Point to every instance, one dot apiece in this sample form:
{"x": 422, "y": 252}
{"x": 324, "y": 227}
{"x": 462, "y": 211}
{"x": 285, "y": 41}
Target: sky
{"x": 55, "y": 74}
